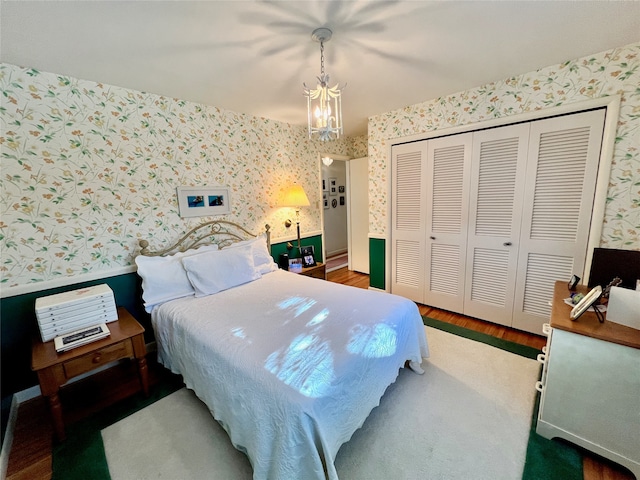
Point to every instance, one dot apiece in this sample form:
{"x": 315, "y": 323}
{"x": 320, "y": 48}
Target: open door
{"x": 358, "y": 214}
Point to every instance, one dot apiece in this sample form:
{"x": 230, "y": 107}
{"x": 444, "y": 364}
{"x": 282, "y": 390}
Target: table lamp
{"x": 295, "y": 197}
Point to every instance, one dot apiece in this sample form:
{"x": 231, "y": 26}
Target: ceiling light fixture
{"x": 324, "y": 103}
{"x": 327, "y": 161}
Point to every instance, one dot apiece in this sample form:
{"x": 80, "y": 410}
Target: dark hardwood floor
{"x": 32, "y": 445}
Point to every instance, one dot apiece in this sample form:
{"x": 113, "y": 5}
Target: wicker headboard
{"x": 220, "y": 232}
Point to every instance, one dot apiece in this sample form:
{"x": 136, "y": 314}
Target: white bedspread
{"x": 291, "y": 366}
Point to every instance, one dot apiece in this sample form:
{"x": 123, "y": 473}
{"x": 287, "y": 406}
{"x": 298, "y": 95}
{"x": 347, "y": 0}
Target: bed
{"x": 290, "y": 366}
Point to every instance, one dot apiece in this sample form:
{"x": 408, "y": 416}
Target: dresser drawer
{"x": 93, "y": 360}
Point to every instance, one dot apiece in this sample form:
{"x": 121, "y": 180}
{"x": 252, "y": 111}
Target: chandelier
{"x": 324, "y": 103}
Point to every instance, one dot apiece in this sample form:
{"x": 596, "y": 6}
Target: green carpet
{"x": 82, "y": 455}
{"x": 546, "y": 459}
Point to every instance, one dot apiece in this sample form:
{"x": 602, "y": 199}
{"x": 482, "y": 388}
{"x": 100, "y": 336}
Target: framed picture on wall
{"x": 341, "y": 200}
{"x": 325, "y": 185}
{"x": 325, "y": 199}
{"x": 333, "y": 187}
{"x": 203, "y": 201}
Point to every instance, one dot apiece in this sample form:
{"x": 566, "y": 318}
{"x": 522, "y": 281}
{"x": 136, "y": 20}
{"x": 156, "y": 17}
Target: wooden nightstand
{"x": 55, "y": 369}
{"x": 318, "y": 271}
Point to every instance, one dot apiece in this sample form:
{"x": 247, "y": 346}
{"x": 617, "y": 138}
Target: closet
{"x": 484, "y": 222}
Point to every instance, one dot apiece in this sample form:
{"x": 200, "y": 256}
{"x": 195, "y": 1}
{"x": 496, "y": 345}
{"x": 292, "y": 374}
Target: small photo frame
{"x": 341, "y": 200}
{"x": 333, "y": 187}
{"x": 325, "y": 200}
{"x": 341, "y": 189}
{"x": 295, "y": 264}
{"x": 588, "y": 301}
{"x": 325, "y": 185}
{"x": 203, "y": 201}
{"x": 308, "y": 258}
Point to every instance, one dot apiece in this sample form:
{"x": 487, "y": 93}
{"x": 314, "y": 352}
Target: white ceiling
{"x": 253, "y": 56}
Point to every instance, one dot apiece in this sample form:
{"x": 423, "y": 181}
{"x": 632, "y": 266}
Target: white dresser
{"x": 591, "y": 384}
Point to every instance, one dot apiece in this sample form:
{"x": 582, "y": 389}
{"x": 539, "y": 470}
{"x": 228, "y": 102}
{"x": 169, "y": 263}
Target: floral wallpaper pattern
{"x": 612, "y": 72}
{"x": 88, "y": 169}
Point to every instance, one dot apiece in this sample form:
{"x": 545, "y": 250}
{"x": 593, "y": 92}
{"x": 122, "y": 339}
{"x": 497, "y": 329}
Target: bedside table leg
{"x": 144, "y": 376}
{"x": 140, "y": 352}
{"x": 56, "y": 414}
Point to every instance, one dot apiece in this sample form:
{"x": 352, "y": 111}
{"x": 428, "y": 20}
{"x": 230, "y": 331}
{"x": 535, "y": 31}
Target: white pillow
{"x": 164, "y": 278}
{"x": 213, "y": 272}
{"x": 262, "y": 259}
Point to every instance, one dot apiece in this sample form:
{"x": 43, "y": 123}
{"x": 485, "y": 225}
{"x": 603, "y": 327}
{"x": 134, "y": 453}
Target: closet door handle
{"x": 507, "y": 244}
{"x": 432, "y": 237}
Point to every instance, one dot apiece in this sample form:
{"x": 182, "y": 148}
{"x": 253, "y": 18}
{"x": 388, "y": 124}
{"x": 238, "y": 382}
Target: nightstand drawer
{"x": 93, "y": 360}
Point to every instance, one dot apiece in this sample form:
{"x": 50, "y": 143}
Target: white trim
{"x": 612, "y": 105}
{"x": 28, "y": 394}
{"x": 378, "y": 236}
{"x": 8, "y": 438}
{"x": 508, "y": 120}
{"x": 338, "y": 267}
{"x": 16, "y": 400}
{"x": 376, "y": 289}
{"x": 6, "y": 292}
{"x": 602, "y": 182}
{"x": 64, "y": 281}
{"x": 289, "y": 238}
{"x": 342, "y": 158}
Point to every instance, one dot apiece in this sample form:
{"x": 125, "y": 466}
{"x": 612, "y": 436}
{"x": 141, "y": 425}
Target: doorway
{"x": 345, "y": 212}
{"x": 334, "y": 211}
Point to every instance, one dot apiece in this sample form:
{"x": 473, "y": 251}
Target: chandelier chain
{"x": 322, "y": 58}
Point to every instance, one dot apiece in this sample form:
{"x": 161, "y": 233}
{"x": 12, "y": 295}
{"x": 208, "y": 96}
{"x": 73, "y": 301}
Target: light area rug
{"x": 468, "y": 416}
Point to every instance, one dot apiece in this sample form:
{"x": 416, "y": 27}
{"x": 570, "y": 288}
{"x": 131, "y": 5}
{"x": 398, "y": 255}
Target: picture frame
{"x": 341, "y": 189}
{"x": 341, "y": 200}
{"x": 587, "y": 301}
{"x": 308, "y": 257}
{"x": 295, "y": 264}
{"x": 333, "y": 187}
{"x": 203, "y": 201}
{"x": 325, "y": 200}
{"x": 325, "y": 185}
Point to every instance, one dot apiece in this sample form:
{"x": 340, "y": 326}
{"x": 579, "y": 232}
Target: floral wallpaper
{"x": 612, "y": 72}
{"x": 88, "y": 169}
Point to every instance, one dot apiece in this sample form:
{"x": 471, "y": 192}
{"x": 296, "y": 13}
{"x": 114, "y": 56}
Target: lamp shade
{"x": 295, "y": 196}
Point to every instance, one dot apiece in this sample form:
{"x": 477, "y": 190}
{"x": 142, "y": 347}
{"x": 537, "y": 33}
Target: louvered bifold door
{"x": 448, "y": 173}
{"x": 564, "y": 154}
{"x": 495, "y": 208}
{"x": 407, "y": 213}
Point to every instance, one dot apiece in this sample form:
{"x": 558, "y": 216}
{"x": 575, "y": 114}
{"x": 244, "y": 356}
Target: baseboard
{"x": 34, "y": 392}
{"x": 8, "y": 437}
{"x": 377, "y": 289}
{"x": 337, "y": 267}
{"x": 28, "y": 394}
